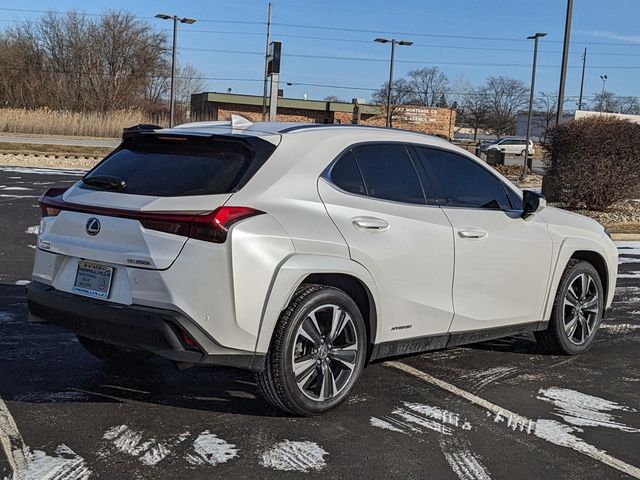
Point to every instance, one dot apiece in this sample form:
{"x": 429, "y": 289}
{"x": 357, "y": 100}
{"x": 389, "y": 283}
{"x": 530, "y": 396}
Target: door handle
{"x": 370, "y": 224}
{"x": 472, "y": 233}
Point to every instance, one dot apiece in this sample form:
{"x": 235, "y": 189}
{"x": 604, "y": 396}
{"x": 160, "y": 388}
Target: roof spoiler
{"x": 136, "y": 129}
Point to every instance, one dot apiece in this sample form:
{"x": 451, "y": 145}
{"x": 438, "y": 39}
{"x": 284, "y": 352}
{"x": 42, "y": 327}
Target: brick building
{"x": 219, "y": 106}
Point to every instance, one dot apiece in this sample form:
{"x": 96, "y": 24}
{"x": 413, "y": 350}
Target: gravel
{"x": 47, "y": 161}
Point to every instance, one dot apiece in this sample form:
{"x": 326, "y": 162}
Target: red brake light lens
{"x": 210, "y": 227}
{"x": 49, "y": 208}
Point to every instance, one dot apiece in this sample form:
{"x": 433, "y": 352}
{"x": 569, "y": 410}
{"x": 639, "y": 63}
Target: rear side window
{"x": 170, "y": 166}
{"x": 346, "y": 175}
{"x": 389, "y": 173}
{"x": 461, "y": 182}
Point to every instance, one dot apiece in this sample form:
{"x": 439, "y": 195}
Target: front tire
{"x": 317, "y": 352}
{"x": 577, "y": 311}
{"x": 113, "y": 354}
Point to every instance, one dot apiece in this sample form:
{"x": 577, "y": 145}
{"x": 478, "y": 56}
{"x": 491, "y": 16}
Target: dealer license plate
{"x": 93, "y": 279}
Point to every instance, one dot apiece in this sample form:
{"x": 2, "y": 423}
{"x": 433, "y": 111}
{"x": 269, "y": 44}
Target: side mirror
{"x": 532, "y": 202}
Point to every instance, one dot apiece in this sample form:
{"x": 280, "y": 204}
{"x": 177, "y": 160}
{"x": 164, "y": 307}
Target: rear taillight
{"x": 210, "y": 227}
{"x": 49, "y": 201}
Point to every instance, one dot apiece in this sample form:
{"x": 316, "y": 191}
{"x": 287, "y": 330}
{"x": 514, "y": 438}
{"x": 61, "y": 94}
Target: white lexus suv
{"x": 304, "y": 252}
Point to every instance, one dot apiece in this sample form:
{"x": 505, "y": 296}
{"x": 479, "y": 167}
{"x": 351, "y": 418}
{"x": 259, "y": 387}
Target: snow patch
{"x": 385, "y": 425}
{"x": 131, "y": 442}
{"x": 35, "y": 230}
{"x": 464, "y": 463}
{"x": 621, "y": 328}
{"x": 629, "y": 275}
{"x": 65, "y": 465}
{"x": 6, "y": 195}
{"x": 623, "y": 259}
{"x": 294, "y": 456}
{"x": 483, "y": 378}
{"x": 210, "y": 449}
{"x": 584, "y": 410}
{"x": 22, "y": 282}
{"x": 16, "y": 188}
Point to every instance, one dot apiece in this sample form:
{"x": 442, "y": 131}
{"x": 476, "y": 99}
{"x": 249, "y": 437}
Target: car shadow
{"x": 45, "y": 364}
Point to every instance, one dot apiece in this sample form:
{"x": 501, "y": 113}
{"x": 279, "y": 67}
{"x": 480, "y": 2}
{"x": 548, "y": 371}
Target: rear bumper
{"x": 152, "y": 329}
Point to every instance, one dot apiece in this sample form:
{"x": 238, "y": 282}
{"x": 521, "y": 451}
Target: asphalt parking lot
{"x": 497, "y": 410}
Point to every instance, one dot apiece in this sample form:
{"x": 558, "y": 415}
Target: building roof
{"x": 296, "y": 103}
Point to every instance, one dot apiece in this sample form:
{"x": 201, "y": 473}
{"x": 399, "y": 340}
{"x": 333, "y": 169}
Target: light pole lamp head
{"x": 405, "y": 43}
{"x": 381, "y": 40}
{"x": 163, "y": 16}
{"x": 188, "y": 20}
{"x": 537, "y": 35}
{"x": 603, "y": 77}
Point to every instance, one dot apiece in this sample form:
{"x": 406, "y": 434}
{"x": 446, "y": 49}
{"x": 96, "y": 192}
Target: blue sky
{"x": 469, "y": 38}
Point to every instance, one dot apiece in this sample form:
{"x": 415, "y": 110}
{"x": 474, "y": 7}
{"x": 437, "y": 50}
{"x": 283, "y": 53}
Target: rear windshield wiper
{"x": 108, "y": 182}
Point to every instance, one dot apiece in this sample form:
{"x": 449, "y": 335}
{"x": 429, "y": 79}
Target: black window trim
{"x": 326, "y": 174}
{"x": 438, "y": 189}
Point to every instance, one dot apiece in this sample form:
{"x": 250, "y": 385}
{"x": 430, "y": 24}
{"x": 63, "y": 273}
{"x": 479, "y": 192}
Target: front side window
{"x": 389, "y": 173}
{"x": 461, "y": 182}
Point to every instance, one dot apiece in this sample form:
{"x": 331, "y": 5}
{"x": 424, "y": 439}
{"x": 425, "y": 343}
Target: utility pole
{"x": 584, "y": 63}
{"x": 266, "y": 66}
{"x": 528, "y": 162}
{"x": 565, "y": 60}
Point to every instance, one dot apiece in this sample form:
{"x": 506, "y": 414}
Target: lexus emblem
{"x": 93, "y": 226}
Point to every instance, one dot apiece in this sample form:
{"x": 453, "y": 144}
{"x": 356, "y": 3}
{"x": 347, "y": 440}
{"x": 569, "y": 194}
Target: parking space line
{"x": 12, "y": 442}
{"x": 519, "y": 422}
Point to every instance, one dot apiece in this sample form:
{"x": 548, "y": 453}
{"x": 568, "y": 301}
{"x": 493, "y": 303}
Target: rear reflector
{"x": 209, "y": 226}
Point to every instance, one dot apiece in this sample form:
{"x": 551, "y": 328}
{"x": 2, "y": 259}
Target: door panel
{"x": 409, "y": 251}
{"x": 501, "y": 276}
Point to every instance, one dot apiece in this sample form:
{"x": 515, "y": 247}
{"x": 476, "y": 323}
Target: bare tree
{"x": 76, "y": 62}
{"x": 545, "y": 108}
{"x": 459, "y": 90}
{"x": 401, "y": 94}
{"x": 605, "y": 102}
{"x": 474, "y": 111}
{"x": 628, "y": 105}
{"x": 333, "y": 98}
{"x": 429, "y": 86}
{"x": 505, "y": 97}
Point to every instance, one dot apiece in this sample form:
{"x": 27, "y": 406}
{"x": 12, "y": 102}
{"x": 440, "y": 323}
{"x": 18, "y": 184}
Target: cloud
{"x": 612, "y": 36}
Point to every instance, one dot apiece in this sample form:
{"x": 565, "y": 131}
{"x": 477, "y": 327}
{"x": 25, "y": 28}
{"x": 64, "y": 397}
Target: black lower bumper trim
{"x": 147, "y": 328}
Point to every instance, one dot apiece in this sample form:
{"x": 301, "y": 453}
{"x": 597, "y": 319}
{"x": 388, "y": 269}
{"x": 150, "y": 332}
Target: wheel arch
{"x": 337, "y": 272}
{"x": 589, "y": 251}
{"x": 598, "y": 263}
{"x": 359, "y": 293}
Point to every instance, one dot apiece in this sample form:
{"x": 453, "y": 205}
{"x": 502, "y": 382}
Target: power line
{"x": 337, "y": 29}
{"x": 412, "y": 62}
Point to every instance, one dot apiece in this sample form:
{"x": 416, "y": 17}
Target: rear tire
{"x": 113, "y": 354}
{"x": 317, "y": 352}
{"x": 577, "y": 311}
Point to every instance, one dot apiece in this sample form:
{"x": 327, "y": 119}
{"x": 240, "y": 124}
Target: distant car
{"x": 303, "y": 252}
{"x": 509, "y": 145}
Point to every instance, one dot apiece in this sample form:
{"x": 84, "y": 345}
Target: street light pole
{"x": 528, "y": 162}
{"x": 393, "y": 43}
{"x": 584, "y": 64}
{"x": 172, "y": 95}
{"x": 604, "y": 79}
{"x": 565, "y": 60}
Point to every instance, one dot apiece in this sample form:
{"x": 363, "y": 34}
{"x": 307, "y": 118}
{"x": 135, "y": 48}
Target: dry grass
{"x": 52, "y": 122}
{"x": 38, "y": 148}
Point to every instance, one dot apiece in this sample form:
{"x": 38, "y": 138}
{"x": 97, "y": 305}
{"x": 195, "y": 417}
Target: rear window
{"x": 171, "y": 166}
